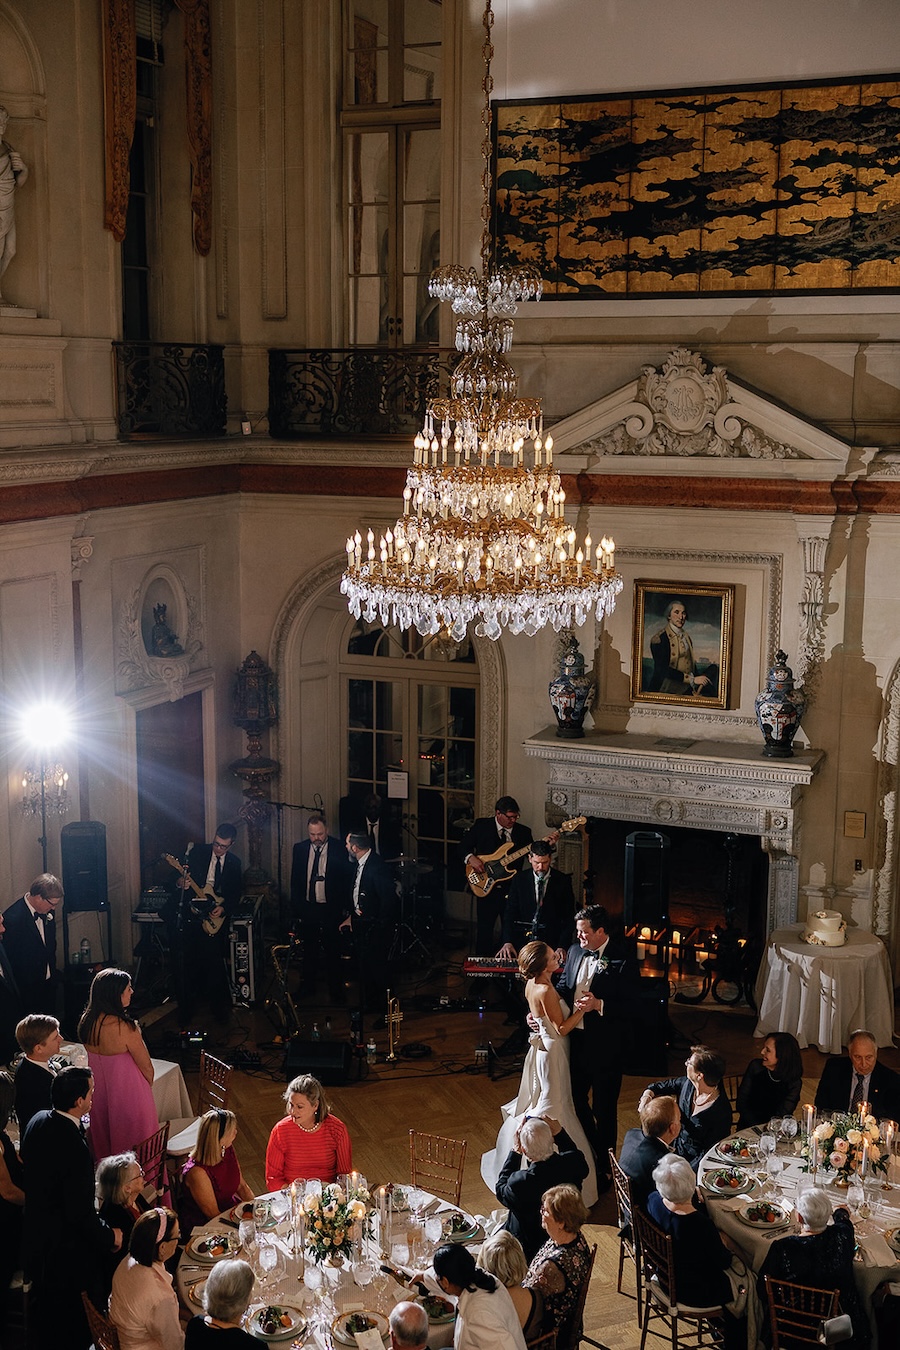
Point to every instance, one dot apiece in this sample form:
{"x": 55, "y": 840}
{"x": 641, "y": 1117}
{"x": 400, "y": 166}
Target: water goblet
{"x": 774, "y": 1169}
{"x": 247, "y": 1234}
{"x": 268, "y": 1260}
{"x": 261, "y": 1214}
{"x": 434, "y": 1231}
{"x": 364, "y": 1273}
{"x": 856, "y": 1196}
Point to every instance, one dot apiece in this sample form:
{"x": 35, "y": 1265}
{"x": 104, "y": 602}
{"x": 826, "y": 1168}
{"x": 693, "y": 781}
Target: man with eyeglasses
{"x": 30, "y": 943}
{"x": 485, "y": 836}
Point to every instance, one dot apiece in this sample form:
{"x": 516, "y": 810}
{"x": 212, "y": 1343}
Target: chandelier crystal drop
{"x": 483, "y": 538}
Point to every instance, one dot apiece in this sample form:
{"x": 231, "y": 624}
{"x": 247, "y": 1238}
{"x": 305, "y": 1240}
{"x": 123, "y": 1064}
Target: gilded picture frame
{"x": 682, "y": 643}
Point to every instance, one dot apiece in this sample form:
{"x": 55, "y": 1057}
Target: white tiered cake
{"x": 826, "y": 928}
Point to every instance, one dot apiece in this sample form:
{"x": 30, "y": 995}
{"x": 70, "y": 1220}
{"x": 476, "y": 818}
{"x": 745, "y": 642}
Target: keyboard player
{"x": 540, "y": 905}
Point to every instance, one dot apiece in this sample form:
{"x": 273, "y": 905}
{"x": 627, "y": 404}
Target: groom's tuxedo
{"x": 597, "y": 1046}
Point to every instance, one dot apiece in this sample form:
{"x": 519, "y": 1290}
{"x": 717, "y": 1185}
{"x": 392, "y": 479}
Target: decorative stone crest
{"x": 136, "y": 668}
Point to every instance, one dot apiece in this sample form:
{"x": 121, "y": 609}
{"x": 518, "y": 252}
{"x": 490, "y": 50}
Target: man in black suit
{"x": 599, "y": 970}
{"x": 38, "y": 1036}
{"x": 643, "y": 1148}
{"x": 540, "y": 905}
{"x": 373, "y": 912}
{"x": 376, "y": 817}
{"x": 320, "y": 898}
{"x": 10, "y": 1006}
{"x": 204, "y": 971}
{"x": 30, "y": 943}
{"x": 846, "y": 1082}
{"x": 552, "y": 1159}
{"x": 65, "y": 1238}
{"x": 486, "y": 836}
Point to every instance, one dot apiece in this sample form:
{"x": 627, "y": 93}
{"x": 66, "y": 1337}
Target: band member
{"x": 373, "y": 913}
{"x": 321, "y": 879}
{"x": 202, "y": 960}
{"x": 540, "y": 906}
{"x": 486, "y": 836}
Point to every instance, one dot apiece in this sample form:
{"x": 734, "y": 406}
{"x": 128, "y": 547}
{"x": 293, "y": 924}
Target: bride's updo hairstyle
{"x": 533, "y": 959}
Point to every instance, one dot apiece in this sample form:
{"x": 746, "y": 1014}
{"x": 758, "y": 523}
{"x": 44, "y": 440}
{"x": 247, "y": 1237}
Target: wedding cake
{"x": 826, "y": 928}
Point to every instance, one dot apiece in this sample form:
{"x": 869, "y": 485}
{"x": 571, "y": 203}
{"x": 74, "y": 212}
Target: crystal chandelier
{"x": 47, "y": 789}
{"x": 483, "y": 537}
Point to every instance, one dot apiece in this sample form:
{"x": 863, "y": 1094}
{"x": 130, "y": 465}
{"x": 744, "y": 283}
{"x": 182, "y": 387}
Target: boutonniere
{"x": 602, "y": 964}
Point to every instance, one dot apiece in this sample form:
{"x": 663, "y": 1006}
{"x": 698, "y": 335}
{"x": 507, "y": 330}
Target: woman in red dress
{"x": 310, "y": 1141}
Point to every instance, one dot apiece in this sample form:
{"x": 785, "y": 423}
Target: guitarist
{"x": 486, "y": 836}
{"x": 203, "y": 966}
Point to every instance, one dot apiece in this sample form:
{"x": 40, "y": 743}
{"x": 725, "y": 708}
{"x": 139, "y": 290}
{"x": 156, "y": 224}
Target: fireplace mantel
{"x": 695, "y": 784}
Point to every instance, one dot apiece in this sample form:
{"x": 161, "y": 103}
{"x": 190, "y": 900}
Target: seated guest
{"x": 226, "y": 1295}
{"x": 212, "y": 1174}
{"x": 501, "y": 1254}
{"x": 771, "y": 1086}
{"x": 144, "y": 1305}
{"x": 120, "y": 1180}
{"x": 38, "y": 1036}
{"x": 559, "y": 1270}
{"x": 859, "y": 1078}
{"x": 12, "y": 1196}
{"x": 700, "y": 1252}
{"x": 485, "y": 1314}
{"x": 705, "y": 1109}
{"x": 310, "y": 1142}
{"x": 408, "y": 1323}
{"x": 642, "y": 1149}
{"x": 821, "y": 1256}
{"x": 550, "y": 1159}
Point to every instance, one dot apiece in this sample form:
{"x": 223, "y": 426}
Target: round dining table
{"x": 285, "y": 1285}
{"x": 876, "y": 1261}
{"x": 822, "y": 994}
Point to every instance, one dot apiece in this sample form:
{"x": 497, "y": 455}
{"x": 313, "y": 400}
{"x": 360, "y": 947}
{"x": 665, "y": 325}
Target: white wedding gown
{"x": 545, "y": 1089}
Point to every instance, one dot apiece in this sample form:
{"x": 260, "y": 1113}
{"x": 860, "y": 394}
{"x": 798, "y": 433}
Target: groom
{"x": 599, "y": 971}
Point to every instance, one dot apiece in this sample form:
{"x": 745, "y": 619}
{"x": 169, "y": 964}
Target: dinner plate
{"x": 254, "y": 1314}
{"x": 438, "y": 1318}
{"x": 223, "y": 1244}
{"x": 459, "y": 1234}
{"x": 237, "y": 1214}
{"x": 339, "y": 1325}
{"x": 763, "y": 1225}
{"x": 744, "y": 1188}
{"x": 892, "y": 1237}
{"x": 195, "y": 1291}
{"x": 722, "y": 1150}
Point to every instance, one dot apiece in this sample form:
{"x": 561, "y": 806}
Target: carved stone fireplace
{"x": 676, "y": 781}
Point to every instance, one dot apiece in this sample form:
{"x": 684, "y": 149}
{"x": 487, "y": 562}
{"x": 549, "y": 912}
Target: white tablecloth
{"x": 822, "y": 994}
{"x": 170, "y": 1091}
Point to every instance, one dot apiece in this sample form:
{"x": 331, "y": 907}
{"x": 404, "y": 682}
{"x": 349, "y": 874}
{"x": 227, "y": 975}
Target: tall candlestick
{"x": 808, "y": 1115}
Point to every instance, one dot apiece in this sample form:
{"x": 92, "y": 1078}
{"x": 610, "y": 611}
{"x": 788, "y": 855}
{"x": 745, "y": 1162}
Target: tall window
{"x": 137, "y": 246}
{"x": 391, "y": 121}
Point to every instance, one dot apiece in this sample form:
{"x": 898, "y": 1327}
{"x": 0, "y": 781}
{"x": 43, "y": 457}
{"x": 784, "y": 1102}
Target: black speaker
{"x": 329, "y": 1061}
{"x": 83, "y": 848}
{"x": 647, "y": 1033}
{"x": 646, "y": 880}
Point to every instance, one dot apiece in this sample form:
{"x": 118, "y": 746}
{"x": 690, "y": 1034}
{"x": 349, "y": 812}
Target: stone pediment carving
{"x": 685, "y": 409}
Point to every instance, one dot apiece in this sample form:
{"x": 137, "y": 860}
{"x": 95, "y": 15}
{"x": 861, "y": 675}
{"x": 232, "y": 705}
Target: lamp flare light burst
{"x": 483, "y": 537}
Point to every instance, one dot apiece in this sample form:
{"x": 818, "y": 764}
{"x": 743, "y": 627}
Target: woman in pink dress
{"x": 123, "y": 1112}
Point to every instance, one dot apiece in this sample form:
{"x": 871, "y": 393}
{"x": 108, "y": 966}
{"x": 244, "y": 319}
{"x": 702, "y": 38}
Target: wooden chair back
{"x": 436, "y": 1164}
{"x": 796, "y": 1312}
{"x": 627, "y": 1238}
{"x": 730, "y": 1084}
{"x": 570, "y": 1334}
{"x": 103, "y": 1333}
{"x": 660, "y": 1294}
{"x": 151, "y": 1154}
{"x": 545, "y": 1342}
{"x": 215, "y": 1077}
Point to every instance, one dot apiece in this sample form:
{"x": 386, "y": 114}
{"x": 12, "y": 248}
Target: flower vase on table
{"x": 849, "y": 1146}
{"x": 331, "y": 1222}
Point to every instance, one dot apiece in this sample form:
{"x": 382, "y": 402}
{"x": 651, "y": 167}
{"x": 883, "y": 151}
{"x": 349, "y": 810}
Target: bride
{"x": 546, "y": 1088}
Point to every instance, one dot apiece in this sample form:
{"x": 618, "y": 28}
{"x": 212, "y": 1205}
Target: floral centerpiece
{"x": 334, "y": 1220}
{"x": 841, "y": 1144}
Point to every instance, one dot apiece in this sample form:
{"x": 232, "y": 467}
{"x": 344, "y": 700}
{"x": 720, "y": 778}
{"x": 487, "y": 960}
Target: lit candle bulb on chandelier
{"x": 407, "y": 498}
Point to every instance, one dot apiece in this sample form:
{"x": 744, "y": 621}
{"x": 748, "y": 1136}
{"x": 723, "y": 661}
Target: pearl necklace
{"x": 307, "y": 1129}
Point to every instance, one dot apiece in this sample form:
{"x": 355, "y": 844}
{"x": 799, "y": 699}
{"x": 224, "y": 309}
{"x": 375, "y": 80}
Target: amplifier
{"x": 245, "y": 951}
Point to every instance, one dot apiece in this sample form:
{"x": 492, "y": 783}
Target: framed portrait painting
{"x": 682, "y": 641}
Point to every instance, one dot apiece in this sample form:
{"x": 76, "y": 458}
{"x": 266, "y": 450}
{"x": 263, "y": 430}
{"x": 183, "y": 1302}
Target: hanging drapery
{"x": 198, "y": 67}
{"x": 120, "y": 104}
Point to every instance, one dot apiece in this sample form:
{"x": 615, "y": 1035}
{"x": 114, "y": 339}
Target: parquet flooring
{"x": 447, "y": 1094}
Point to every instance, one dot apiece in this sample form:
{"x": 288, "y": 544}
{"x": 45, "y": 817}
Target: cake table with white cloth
{"x": 822, "y": 994}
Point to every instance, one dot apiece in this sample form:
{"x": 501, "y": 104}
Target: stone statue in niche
{"x": 13, "y": 174}
{"x": 163, "y": 642}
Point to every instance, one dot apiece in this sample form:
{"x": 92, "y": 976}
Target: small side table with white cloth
{"x": 170, "y": 1094}
{"x": 822, "y": 994}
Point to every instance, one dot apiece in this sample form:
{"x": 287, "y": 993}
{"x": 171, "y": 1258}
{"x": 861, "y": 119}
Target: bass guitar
{"x": 209, "y": 922}
{"x": 497, "y": 867}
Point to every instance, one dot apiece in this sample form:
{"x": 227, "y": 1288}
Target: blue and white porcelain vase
{"x": 779, "y": 709}
{"x": 571, "y": 691}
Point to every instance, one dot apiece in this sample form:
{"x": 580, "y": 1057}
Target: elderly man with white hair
{"x": 409, "y": 1326}
{"x": 542, "y": 1156}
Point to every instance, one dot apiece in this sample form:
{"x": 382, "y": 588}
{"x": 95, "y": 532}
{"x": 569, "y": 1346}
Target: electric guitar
{"x": 210, "y": 924}
{"x": 497, "y": 865}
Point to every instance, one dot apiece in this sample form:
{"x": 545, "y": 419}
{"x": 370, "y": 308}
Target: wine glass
{"x": 261, "y": 1213}
{"x": 774, "y": 1169}
{"x": 247, "y": 1234}
{"x": 856, "y": 1196}
{"x": 787, "y": 1128}
{"x": 434, "y": 1231}
{"x": 268, "y": 1260}
{"x": 364, "y": 1273}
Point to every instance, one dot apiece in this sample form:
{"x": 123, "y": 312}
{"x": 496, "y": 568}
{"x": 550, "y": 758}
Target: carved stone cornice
{"x": 198, "y": 67}
{"x": 120, "y": 106}
{"x": 82, "y": 549}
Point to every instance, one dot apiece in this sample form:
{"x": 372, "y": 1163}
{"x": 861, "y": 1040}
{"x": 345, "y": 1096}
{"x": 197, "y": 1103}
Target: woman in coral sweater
{"x": 309, "y": 1142}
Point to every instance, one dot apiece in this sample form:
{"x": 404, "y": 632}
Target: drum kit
{"x": 406, "y": 943}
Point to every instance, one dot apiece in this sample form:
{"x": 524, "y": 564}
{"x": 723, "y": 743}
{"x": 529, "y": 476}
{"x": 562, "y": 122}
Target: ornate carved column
{"x": 198, "y": 67}
{"x": 120, "y": 106}
{"x": 255, "y": 709}
{"x": 813, "y": 536}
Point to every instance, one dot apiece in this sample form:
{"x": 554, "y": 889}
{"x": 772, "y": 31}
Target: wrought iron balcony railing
{"x": 170, "y": 389}
{"x": 353, "y": 391}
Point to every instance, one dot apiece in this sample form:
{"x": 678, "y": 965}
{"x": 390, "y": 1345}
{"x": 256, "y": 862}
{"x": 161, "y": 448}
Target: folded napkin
{"x": 433, "y": 1206}
{"x": 876, "y": 1252}
{"x": 732, "y": 1202}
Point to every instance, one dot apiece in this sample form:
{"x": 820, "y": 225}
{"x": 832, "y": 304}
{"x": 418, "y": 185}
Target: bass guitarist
{"x": 486, "y": 836}
{"x": 201, "y": 960}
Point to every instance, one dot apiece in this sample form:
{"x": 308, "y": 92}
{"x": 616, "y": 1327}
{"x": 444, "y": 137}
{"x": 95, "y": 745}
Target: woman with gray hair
{"x": 701, "y": 1253}
{"x": 821, "y": 1255}
{"x": 225, "y": 1298}
{"x": 119, "y": 1182}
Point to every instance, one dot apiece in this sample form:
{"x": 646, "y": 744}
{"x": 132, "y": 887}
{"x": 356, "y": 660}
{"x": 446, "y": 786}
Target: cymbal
{"x": 410, "y": 865}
